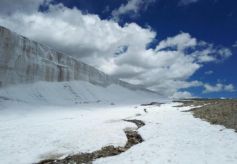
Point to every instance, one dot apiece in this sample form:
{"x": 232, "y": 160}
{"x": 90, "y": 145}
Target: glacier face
{"x": 25, "y": 61}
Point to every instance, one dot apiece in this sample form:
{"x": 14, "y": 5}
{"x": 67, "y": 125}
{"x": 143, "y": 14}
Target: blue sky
{"x": 205, "y": 24}
{"x": 214, "y": 21}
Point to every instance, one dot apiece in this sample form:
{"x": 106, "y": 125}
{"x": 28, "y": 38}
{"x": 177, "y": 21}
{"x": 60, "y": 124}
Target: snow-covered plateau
{"x": 31, "y": 133}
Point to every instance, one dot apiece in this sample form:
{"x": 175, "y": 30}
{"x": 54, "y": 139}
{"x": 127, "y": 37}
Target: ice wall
{"x": 26, "y": 61}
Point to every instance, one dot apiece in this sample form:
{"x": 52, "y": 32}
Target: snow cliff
{"x": 25, "y": 61}
{"x": 34, "y": 73}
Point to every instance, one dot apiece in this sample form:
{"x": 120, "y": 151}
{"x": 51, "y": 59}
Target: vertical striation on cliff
{"x": 26, "y": 61}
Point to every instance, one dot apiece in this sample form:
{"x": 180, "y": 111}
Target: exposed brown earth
{"x": 216, "y": 111}
{"x": 139, "y": 123}
{"x": 152, "y": 104}
{"x": 133, "y": 138}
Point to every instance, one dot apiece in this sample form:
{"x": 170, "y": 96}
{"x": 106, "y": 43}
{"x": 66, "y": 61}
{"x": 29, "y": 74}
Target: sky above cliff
{"x": 179, "y": 48}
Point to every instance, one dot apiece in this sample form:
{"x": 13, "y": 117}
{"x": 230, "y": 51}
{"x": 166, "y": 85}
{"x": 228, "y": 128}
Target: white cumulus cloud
{"x": 132, "y": 7}
{"x": 121, "y": 51}
{"x": 8, "y": 7}
{"x": 218, "y": 88}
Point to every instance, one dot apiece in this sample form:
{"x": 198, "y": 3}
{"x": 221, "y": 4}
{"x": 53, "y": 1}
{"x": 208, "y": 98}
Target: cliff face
{"x": 26, "y": 61}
